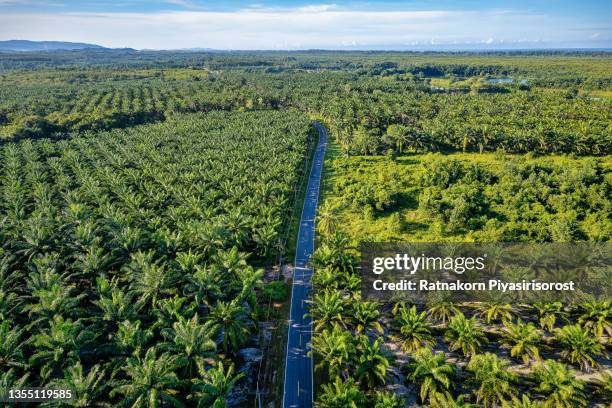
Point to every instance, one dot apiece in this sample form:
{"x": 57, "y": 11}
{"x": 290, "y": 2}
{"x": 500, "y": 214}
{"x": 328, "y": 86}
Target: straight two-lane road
{"x": 298, "y": 365}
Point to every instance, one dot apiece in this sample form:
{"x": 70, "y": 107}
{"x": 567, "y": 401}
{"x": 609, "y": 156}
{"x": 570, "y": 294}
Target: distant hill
{"x": 25, "y": 45}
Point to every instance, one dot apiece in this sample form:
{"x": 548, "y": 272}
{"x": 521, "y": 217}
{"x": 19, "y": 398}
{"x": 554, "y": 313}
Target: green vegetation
{"x": 119, "y": 265}
{"x": 471, "y": 197}
{"x": 143, "y": 193}
{"x": 447, "y": 166}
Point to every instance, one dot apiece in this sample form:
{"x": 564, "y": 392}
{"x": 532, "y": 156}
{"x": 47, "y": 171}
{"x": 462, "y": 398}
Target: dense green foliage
{"x": 372, "y": 103}
{"x": 140, "y": 191}
{"x": 124, "y": 254}
{"x": 487, "y": 354}
{"x": 489, "y": 197}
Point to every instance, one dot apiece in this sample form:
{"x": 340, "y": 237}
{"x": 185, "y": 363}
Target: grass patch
{"x": 294, "y": 225}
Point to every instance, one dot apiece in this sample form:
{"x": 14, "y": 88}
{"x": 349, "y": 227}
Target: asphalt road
{"x": 298, "y": 389}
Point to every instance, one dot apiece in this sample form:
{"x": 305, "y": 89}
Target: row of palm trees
{"x": 418, "y": 121}
{"x": 39, "y": 109}
{"x": 354, "y": 337}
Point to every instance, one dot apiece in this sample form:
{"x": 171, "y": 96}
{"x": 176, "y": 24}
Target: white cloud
{"x": 315, "y": 26}
{"x": 317, "y": 8}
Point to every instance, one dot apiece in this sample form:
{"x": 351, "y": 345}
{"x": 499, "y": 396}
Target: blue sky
{"x": 299, "y": 24}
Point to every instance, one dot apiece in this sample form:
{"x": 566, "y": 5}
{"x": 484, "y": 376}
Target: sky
{"x": 299, "y": 24}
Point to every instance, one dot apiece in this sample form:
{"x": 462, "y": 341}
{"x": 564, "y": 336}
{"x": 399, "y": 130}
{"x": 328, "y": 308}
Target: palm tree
{"x": 432, "y": 372}
{"x": 250, "y": 279}
{"x": 130, "y": 339}
{"x": 228, "y": 319}
{"x": 11, "y": 346}
{"x": 493, "y": 311}
{"x": 62, "y": 343}
{"x": 523, "y": 340}
{"x": 150, "y": 279}
{"x": 373, "y": 363}
{"x": 204, "y": 284}
{"x": 9, "y": 284}
{"x": 365, "y": 314}
{"x": 559, "y": 386}
{"x": 384, "y": 399}
{"x": 597, "y": 317}
{"x": 579, "y": 346}
{"x": 399, "y": 135}
{"x": 230, "y": 261}
{"x": 326, "y": 218}
{"x": 442, "y": 311}
{"x": 492, "y": 376}
{"x": 171, "y": 309}
{"x": 9, "y": 380}
{"x": 152, "y": 381}
{"x": 336, "y": 349}
{"x": 414, "y": 329}
{"x": 549, "y": 313}
{"x": 87, "y": 389}
{"x": 328, "y": 278}
{"x": 334, "y": 253}
{"x": 214, "y": 386}
{"x": 190, "y": 341}
{"x": 341, "y": 394}
{"x": 54, "y": 300}
{"x": 465, "y": 335}
{"x": 327, "y": 309}
{"x": 115, "y": 304}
